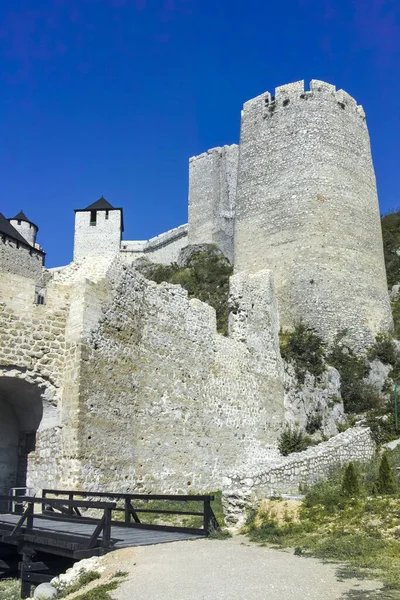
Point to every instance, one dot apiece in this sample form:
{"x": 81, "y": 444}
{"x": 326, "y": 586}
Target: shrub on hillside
{"x": 350, "y": 483}
{"x": 304, "y": 349}
{"x": 293, "y": 440}
{"x": 391, "y": 244}
{"x": 385, "y": 482}
{"x": 358, "y": 395}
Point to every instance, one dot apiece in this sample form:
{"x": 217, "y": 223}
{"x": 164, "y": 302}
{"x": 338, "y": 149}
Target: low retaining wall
{"x": 290, "y": 473}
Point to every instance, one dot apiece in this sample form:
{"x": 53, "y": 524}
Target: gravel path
{"x": 231, "y": 569}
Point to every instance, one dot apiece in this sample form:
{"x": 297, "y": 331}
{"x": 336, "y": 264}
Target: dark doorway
{"x": 21, "y": 411}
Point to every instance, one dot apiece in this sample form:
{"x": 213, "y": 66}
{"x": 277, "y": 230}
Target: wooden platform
{"x": 124, "y": 536}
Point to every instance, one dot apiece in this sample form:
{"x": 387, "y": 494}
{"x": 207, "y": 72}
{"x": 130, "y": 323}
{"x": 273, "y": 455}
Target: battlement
{"x": 295, "y": 92}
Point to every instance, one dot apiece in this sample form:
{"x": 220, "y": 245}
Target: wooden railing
{"x": 209, "y": 521}
{"x": 26, "y": 521}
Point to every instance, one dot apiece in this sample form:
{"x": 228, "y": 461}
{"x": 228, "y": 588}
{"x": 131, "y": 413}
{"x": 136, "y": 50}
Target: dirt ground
{"x": 232, "y": 569}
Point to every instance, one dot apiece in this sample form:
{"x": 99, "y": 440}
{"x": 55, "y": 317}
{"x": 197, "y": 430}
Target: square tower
{"x": 98, "y": 229}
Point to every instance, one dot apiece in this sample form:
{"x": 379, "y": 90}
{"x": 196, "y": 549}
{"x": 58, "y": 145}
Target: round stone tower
{"x": 307, "y": 208}
{"x": 25, "y": 227}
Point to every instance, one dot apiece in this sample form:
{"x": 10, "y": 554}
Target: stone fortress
{"x": 110, "y": 381}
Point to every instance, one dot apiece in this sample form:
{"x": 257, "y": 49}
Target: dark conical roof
{"x": 10, "y": 231}
{"x": 21, "y": 216}
{"x": 100, "y": 204}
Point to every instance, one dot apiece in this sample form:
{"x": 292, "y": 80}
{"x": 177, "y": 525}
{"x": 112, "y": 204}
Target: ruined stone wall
{"x": 212, "y": 197}
{"x": 19, "y": 260}
{"x": 166, "y": 403}
{"x": 307, "y": 208}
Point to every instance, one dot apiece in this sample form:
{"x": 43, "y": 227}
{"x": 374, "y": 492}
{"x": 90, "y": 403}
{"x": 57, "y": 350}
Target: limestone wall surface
{"x": 307, "y": 208}
{"x": 20, "y": 260}
{"x": 212, "y": 198}
{"x": 167, "y": 404}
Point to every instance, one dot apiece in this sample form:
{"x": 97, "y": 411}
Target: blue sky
{"x": 113, "y": 96}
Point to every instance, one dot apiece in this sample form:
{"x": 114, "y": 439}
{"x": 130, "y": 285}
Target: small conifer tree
{"x": 385, "y": 481}
{"x": 350, "y": 483}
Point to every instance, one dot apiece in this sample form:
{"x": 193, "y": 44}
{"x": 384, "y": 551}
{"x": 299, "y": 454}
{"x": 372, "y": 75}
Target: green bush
{"x": 358, "y": 395}
{"x": 396, "y": 317}
{"x": 304, "y": 349}
{"x": 293, "y": 440}
{"x": 382, "y": 424}
{"x": 350, "y": 483}
{"x": 314, "y": 423}
{"x": 391, "y": 243}
{"x": 385, "y": 482}
{"x": 205, "y": 276}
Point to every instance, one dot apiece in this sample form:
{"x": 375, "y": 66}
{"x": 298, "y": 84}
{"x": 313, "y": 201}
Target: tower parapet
{"x": 307, "y": 208}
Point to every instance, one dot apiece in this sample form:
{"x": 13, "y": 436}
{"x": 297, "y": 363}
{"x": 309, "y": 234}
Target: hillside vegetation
{"x": 353, "y": 516}
{"x": 391, "y": 247}
{"x": 205, "y": 275}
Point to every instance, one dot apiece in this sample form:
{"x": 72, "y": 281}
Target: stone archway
{"x": 23, "y": 410}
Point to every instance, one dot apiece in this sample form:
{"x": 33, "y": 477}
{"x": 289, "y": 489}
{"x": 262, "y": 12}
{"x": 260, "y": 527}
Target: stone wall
{"x": 291, "y": 474}
{"x": 102, "y": 238}
{"x": 17, "y": 259}
{"x": 307, "y": 208}
{"x": 212, "y": 197}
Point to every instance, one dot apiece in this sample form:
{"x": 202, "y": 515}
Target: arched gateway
{"x": 23, "y": 410}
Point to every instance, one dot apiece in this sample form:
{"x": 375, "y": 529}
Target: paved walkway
{"x": 231, "y": 569}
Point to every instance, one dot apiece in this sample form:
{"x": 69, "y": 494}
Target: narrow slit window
{"x": 93, "y": 217}
{"x": 106, "y": 214}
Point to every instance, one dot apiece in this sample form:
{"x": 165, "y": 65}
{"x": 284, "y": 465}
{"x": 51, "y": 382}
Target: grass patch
{"x": 99, "y": 592}
{"x": 83, "y": 579}
{"x": 361, "y": 529}
{"x": 205, "y": 276}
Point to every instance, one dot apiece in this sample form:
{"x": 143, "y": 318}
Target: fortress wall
{"x": 166, "y": 403}
{"x": 307, "y": 209}
{"x": 212, "y": 197}
{"x": 163, "y": 248}
{"x": 19, "y": 260}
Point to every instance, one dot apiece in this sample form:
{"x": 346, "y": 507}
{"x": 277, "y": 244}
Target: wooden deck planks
{"x": 126, "y": 536}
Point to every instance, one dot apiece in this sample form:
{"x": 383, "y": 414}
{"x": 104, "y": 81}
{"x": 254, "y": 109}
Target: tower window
{"x": 19, "y": 222}
{"x": 93, "y": 217}
{"x": 106, "y": 214}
